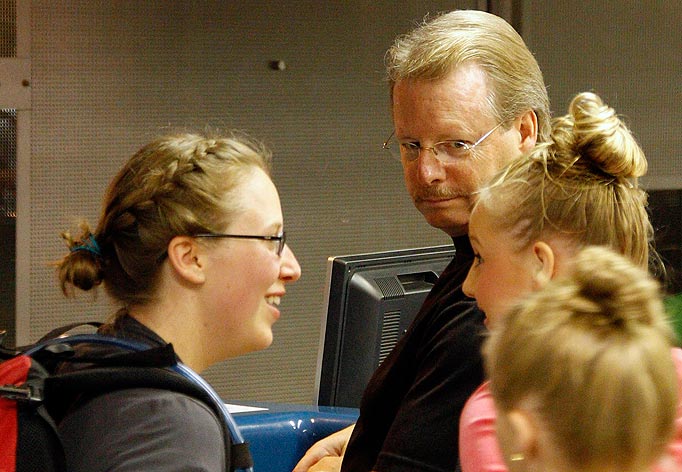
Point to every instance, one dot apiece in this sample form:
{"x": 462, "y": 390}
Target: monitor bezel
{"x": 343, "y": 268}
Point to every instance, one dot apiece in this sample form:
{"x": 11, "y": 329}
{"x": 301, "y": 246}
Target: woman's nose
{"x": 290, "y": 270}
{"x": 468, "y": 287}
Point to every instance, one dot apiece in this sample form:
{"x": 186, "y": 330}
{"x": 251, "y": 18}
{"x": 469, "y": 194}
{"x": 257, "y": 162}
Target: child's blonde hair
{"x": 590, "y": 356}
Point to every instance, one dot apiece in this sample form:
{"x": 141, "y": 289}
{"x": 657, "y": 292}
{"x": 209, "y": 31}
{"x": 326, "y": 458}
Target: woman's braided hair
{"x": 175, "y": 185}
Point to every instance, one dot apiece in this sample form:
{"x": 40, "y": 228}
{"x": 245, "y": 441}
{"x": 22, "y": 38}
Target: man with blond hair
{"x": 467, "y": 97}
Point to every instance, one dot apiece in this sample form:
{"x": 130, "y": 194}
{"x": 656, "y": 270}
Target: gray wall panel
{"x": 107, "y": 76}
{"x": 629, "y": 52}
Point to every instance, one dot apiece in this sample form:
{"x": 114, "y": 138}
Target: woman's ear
{"x": 545, "y": 264}
{"x": 184, "y": 257}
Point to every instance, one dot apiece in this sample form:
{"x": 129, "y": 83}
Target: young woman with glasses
{"x": 191, "y": 246}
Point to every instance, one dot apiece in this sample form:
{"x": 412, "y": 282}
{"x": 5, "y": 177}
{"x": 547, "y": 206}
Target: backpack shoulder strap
{"x": 30, "y": 439}
{"x": 138, "y": 366}
{"x": 55, "y": 333}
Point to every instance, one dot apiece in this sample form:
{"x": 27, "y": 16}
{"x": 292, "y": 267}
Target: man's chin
{"x": 452, "y": 224}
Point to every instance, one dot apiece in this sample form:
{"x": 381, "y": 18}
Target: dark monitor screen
{"x": 371, "y": 300}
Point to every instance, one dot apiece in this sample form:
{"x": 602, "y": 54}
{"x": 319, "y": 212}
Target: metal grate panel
{"x": 8, "y": 163}
{"x": 8, "y": 200}
{"x": 8, "y": 28}
{"x": 390, "y": 332}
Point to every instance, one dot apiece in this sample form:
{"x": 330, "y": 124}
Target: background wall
{"x": 107, "y": 76}
{"x": 630, "y": 53}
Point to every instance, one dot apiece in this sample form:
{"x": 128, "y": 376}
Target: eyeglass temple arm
{"x": 385, "y": 145}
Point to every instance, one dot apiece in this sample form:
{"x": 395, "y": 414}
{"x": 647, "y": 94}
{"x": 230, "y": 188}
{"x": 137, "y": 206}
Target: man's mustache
{"x": 437, "y": 193}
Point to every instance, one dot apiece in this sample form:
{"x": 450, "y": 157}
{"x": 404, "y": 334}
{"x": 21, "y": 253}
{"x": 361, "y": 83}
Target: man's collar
{"x": 462, "y": 245}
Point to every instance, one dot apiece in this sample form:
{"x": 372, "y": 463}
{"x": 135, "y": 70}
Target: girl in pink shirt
{"x": 581, "y": 372}
{"x": 579, "y": 189}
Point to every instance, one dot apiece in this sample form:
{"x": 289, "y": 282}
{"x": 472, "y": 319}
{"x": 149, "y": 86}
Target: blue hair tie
{"x": 90, "y": 245}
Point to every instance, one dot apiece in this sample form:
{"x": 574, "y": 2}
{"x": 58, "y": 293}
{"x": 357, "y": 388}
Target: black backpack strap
{"x": 243, "y": 459}
{"x": 141, "y": 367}
{"x": 240, "y": 456}
{"x": 8, "y": 352}
{"x": 66, "y": 328}
{"x": 161, "y": 356}
{"x": 95, "y": 381}
{"x": 62, "y": 391}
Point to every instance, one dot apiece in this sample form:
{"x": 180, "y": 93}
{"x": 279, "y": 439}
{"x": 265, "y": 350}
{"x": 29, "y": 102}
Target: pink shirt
{"x": 479, "y": 451}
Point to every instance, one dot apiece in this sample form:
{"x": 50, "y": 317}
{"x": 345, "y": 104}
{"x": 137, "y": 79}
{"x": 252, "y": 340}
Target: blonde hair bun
{"x": 592, "y": 130}
{"x": 618, "y": 295}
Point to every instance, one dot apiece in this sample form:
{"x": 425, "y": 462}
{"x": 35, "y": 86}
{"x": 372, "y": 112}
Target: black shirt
{"x": 409, "y": 414}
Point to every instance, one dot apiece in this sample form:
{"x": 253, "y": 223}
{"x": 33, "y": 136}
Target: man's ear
{"x": 184, "y": 257}
{"x": 527, "y": 125}
{"x": 545, "y": 264}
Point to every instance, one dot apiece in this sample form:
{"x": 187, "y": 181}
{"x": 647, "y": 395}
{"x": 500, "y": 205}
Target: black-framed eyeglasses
{"x": 280, "y": 239}
{"x": 445, "y": 151}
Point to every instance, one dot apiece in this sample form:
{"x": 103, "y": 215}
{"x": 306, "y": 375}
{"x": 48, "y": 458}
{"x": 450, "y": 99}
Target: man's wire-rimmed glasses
{"x": 445, "y": 151}
{"x": 281, "y": 238}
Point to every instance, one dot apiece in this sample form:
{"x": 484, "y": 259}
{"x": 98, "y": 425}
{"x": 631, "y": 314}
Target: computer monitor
{"x": 371, "y": 300}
